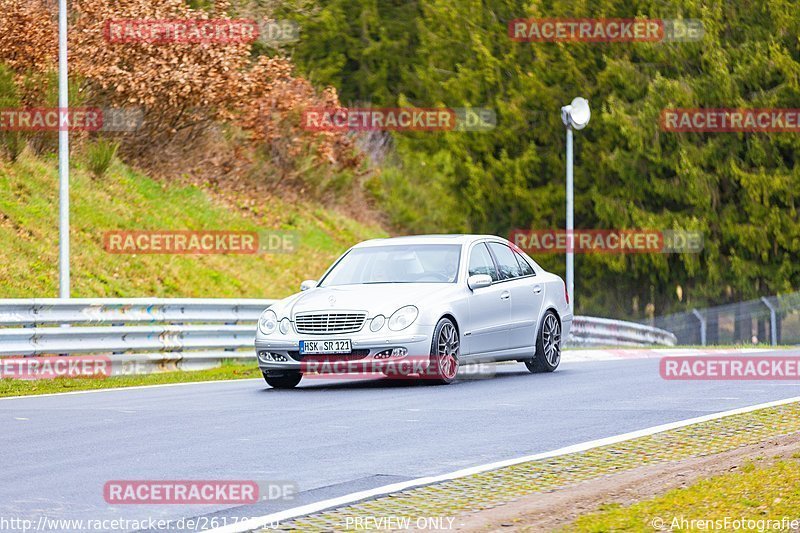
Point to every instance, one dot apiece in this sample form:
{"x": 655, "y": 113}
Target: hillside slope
{"x": 126, "y": 200}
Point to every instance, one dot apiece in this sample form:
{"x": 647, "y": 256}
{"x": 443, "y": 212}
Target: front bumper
{"x": 365, "y": 345}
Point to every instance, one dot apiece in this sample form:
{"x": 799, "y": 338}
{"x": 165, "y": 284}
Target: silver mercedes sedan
{"x": 417, "y": 307}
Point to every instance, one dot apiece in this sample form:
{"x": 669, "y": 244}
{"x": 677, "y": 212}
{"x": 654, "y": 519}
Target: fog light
{"x": 399, "y": 352}
{"x": 391, "y": 352}
{"x": 267, "y": 357}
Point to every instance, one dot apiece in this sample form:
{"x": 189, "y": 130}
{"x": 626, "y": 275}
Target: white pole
{"x": 570, "y": 239}
{"x": 773, "y": 322}
{"x": 63, "y": 155}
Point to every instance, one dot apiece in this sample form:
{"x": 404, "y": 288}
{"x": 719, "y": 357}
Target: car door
{"x": 531, "y": 301}
{"x": 526, "y": 298}
{"x": 489, "y": 307}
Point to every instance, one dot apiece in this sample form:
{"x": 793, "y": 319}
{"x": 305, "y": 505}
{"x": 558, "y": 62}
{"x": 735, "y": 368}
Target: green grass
{"x": 228, "y": 370}
{"x": 126, "y": 200}
{"x": 755, "y": 492}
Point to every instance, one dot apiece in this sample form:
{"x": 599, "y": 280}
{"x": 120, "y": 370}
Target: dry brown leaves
{"x": 179, "y": 86}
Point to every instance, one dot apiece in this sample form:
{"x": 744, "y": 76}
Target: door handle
{"x": 537, "y": 289}
{"x": 505, "y": 295}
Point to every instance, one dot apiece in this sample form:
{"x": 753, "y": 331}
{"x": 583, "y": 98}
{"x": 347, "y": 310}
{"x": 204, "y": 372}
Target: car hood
{"x": 375, "y": 299}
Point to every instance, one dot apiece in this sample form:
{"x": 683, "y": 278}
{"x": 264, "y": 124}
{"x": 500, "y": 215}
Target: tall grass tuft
{"x": 99, "y": 155}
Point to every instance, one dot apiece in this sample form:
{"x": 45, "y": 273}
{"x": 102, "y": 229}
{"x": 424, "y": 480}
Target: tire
{"x": 445, "y": 352}
{"x": 548, "y": 345}
{"x": 288, "y": 380}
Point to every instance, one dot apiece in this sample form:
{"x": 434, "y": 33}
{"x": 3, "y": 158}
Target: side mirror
{"x": 479, "y": 281}
{"x": 308, "y": 284}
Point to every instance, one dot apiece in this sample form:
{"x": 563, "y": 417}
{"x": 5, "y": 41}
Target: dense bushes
{"x": 742, "y": 190}
{"x": 186, "y": 92}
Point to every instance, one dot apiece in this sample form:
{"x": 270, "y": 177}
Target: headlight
{"x": 377, "y": 323}
{"x": 402, "y": 318}
{"x": 285, "y": 326}
{"x": 268, "y": 322}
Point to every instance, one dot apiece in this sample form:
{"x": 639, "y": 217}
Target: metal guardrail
{"x": 110, "y": 339}
{"x": 591, "y": 331}
{"x": 50, "y": 311}
{"x": 140, "y": 334}
{"x": 151, "y": 334}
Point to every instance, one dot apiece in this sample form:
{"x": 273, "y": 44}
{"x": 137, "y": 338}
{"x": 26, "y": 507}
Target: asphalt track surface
{"x": 328, "y": 437}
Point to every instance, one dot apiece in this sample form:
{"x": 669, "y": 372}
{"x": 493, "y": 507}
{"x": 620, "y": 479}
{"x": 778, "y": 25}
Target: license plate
{"x": 325, "y": 347}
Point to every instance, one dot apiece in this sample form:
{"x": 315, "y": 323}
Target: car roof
{"x": 426, "y": 239}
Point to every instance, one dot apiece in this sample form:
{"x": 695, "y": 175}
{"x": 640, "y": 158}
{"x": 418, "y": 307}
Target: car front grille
{"x": 326, "y": 323}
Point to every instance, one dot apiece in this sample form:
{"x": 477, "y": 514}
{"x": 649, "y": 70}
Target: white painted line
{"x": 266, "y": 520}
{"x": 136, "y": 387}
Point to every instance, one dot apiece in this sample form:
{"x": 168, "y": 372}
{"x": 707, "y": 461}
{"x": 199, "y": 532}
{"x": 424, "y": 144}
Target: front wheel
{"x": 445, "y": 351}
{"x": 288, "y": 380}
{"x": 548, "y": 346}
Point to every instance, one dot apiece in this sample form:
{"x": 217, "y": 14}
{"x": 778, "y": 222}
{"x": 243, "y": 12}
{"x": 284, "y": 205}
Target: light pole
{"x": 574, "y": 116}
{"x": 63, "y": 155}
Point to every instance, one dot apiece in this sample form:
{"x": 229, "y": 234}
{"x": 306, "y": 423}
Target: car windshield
{"x": 409, "y": 263}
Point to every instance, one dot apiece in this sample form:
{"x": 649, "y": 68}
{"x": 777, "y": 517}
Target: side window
{"x": 506, "y": 262}
{"x": 480, "y": 262}
{"x": 525, "y": 267}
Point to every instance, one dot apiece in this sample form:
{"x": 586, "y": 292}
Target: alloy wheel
{"x": 447, "y": 351}
{"x": 551, "y": 337}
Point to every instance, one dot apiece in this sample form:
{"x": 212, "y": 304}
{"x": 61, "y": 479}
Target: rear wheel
{"x": 287, "y": 380}
{"x": 445, "y": 351}
{"x": 548, "y": 345}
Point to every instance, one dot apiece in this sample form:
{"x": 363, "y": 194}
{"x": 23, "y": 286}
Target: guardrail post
{"x": 773, "y": 322}
{"x": 117, "y": 325}
{"x": 231, "y": 324}
{"x": 702, "y": 320}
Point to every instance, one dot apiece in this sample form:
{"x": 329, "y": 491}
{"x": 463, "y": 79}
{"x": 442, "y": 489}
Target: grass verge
{"x": 123, "y": 199}
{"x": 228, "y": 370}
{"x": 762, "y": 497}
